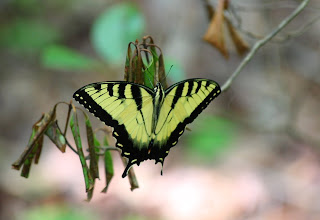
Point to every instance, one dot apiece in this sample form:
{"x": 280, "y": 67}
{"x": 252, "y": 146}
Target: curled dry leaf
{"x": 215, "y": 33}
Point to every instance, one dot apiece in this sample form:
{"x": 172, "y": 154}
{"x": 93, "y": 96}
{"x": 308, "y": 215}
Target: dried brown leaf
{"x": 39, "y": 129}
{"x": 215, "y": 33}
{"x": 241, "y": 46}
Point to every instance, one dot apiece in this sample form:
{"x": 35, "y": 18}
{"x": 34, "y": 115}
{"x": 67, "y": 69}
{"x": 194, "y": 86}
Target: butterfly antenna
{"x": 168, "y": 72}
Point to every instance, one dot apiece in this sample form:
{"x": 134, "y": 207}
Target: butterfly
{"x": 147, "y": 122}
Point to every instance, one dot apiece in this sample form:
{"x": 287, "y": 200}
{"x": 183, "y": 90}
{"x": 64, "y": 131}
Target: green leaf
{"x": 38, "y": 150}
{"x": 35, "y": 152}
{"x": 114, "y": 29}
{"x": 94, "y": 170}
{"x": 63, "y": 58}
{"x": 150, "y": 71}
{"x": 96, "y": 142}
{"x": 108, "y": 166}
{"x": 55, "y": 135}
{"x": 212, "y": 136}
{"x": 28, "y": 36}
{"x": 105, "y": 141}
{"x": 109, "y": 171}
{"x": 93, "y": 164}
{"x": 76, "y": 135}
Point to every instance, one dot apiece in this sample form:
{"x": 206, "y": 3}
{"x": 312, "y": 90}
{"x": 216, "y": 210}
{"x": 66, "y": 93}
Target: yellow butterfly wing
{"x": 128, "y": 108}
{"x": 183, "y": 102}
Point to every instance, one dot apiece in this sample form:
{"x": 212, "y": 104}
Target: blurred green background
{"x": 252, "y": 154}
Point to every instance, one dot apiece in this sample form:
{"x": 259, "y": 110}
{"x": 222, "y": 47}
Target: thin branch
{"x": 262, "y": 42}
{"x": 300, "y": 31}
{"x": 70, "y": 146}
{"x": 286, "y": 37}
{"x": 243, "y": 7}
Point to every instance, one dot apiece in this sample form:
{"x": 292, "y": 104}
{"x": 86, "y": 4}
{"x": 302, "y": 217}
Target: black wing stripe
{"x": 121, "y": 91}
{"x": 136, "y": 93}
{"x": 207, "y": 84}
{"x": 97, "y": 86}
{"x": 198, "y": 87}
{"x": 190, "y": 87}
{"x": 181, "y": 126}
{"x": 110, "y": 89}
{"x": 177, "y": 95}
{"x": 207, "y": 93}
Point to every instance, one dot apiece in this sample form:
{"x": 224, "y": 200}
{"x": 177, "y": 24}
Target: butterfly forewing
{"x": 128, "y": 108}
{"x": 183, "y": 102}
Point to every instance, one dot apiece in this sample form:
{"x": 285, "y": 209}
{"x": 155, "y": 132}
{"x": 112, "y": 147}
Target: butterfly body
{"x": 146, "y": 122}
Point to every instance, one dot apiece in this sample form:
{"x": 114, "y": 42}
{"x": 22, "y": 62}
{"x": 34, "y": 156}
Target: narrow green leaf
{"x": 55, "y": 135}
{"x": 150, "y": 71}
{"x": 108, "y": 165}
{"x": 114, "y": 28}
{"x": 94, "y": 169}
{"x": 105, "y": 141}
{"x": 90, "y": 192}
{"x": 97, "y": 150}
{"x": 63, "y": 58}
{"x": 28, "y": 162}
{"x": 96, "y": 142}
{"x": 76, "y": 135}
{"x": 39, "y": 150}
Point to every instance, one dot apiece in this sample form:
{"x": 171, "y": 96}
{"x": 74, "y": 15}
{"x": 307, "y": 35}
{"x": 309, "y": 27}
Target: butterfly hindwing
{"x": 128, "y": 108}
{"x": 183, "y": 102}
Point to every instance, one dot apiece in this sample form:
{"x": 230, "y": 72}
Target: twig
{"x": 262, "y": 42}
{"x": 243, "y": 7}
{"x": 286, "y": 37}
{"x": 301, "y": 30}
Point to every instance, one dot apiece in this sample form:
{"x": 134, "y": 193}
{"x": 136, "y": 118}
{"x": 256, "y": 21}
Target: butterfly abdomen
{"x": 158, "y": 98}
